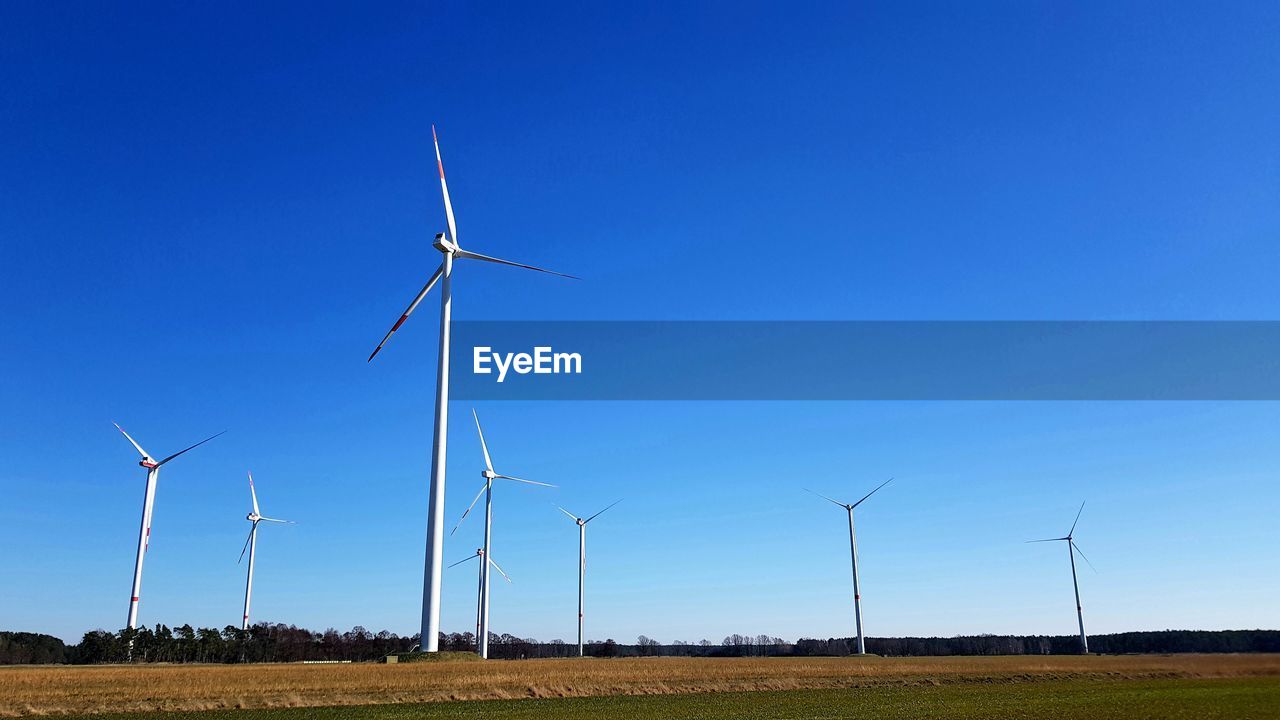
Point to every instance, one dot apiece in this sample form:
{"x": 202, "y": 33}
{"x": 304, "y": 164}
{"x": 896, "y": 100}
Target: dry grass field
{"x": 41, "y": 690}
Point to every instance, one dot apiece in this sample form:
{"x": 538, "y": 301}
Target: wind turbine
{"x": 449, "y": 247}
{"x": 251, "y": 544}
{"x": 482, "y": 637}
{"x": 853, "y": 552}
{"x": 480, "y": 589}
{"x": 582, "y": 559}
{"x": 1072, "y": 549}
{"x": 148, "y": 502}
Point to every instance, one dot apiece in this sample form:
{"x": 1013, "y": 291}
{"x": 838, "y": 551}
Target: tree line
{"x": 267, "y": 642}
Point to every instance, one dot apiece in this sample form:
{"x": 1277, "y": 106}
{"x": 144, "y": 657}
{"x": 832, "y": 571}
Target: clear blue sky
{"x": 209, "y": 215}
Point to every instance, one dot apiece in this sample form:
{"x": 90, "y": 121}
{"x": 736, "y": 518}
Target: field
{"x": 1201, "y": 686}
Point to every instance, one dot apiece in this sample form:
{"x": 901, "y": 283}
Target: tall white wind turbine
{"x": 582, "y": 559}
{"x": 482, "y": 636}
{"x": 148, "y": 502}
{"x": 480, "y": 584}
{"x": 251, "y": 544}
{"x": 853, "y": 552}
{"x": 449, "y": 247}
{"x": 1072, "y": 549}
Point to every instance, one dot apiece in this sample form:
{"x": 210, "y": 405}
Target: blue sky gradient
{"x": 209, "y": 215}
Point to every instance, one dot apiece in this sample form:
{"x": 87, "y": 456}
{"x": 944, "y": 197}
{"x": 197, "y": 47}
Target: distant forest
{"x": 266, "y": 642}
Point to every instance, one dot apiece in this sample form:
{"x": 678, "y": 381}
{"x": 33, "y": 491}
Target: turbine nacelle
{"x": 444, "y": 245}
{"x": 488, "y": 474}
{"x": 148, "y": 463}
{"x": 253, "y": 517}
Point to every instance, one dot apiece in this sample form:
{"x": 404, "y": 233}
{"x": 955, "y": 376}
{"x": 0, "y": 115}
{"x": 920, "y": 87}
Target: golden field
{"x": 45, "y": 690}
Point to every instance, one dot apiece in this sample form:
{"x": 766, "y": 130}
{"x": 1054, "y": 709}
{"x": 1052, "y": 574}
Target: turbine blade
{"x": 530, "y": 482}
{"x": 483, "y": 445}
{"x": 435, "y": 277}
{"x": 254, "y": 494}
{"x": 193, "y": 447}
{"x": 873, "y": 492}
{"x": 1073, "y": 523}
{"x": 486, "y": 258}
{"x": 1048, "y": 540}
{"x": 277, "y": 520}
{"x": 575, "y": 518}
{"x": 473, "y": 504}
{"x": 246, "y": 542}
{"x": 465, "y": 559}
{"x": 495, "y": 567}
{"x": 593, "y": 517}
{"x": 1077, "y": 547}
{"x": 135, "y": 444}
{"x": 824, "y": 497}
{"x": 444, "y": 188}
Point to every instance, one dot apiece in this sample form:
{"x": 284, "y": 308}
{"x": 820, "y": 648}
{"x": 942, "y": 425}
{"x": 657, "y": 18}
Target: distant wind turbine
{"x": 148, "y": 502}
{"x": 251, "y": 544}
{"x": 853, "y": 552}
{"x": 448, "y": 246}
{"x": 482, "y": 637}
{"x": 480, "y": 584}
{"x": 1072, "y": 549}
{"x": 581, "y": 563}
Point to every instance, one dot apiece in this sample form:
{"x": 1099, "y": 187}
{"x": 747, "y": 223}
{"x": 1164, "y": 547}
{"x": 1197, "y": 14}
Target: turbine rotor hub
{"x": 148, "y": 463}
{"x": 488, "y": 474}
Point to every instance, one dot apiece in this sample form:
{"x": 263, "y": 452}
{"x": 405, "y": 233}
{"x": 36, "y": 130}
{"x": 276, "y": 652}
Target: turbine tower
{"x": 450, "y": 248}
{"x": 1072, "y": 549}
{"x": 582, "y": 559}
{"x": 482, "y": 636}
{"x": 480, "y": 586}
{"x": 251, "y": 544}
{"x": 853, "y": 552}
{"x": 148, "y": 502}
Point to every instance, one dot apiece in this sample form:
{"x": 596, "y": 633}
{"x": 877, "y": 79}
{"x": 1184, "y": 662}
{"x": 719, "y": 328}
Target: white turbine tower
{"x": 251, "y": 544}
{"x": 148, "y": 502}
{"x": 480, "y": 584}
{"x": 1072, "y": 549}
{"x": 449, "y": 247}
{"x": 482, "y": 636}
{"x": 853, "y": 552}
{"x": 582, "y": 559}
